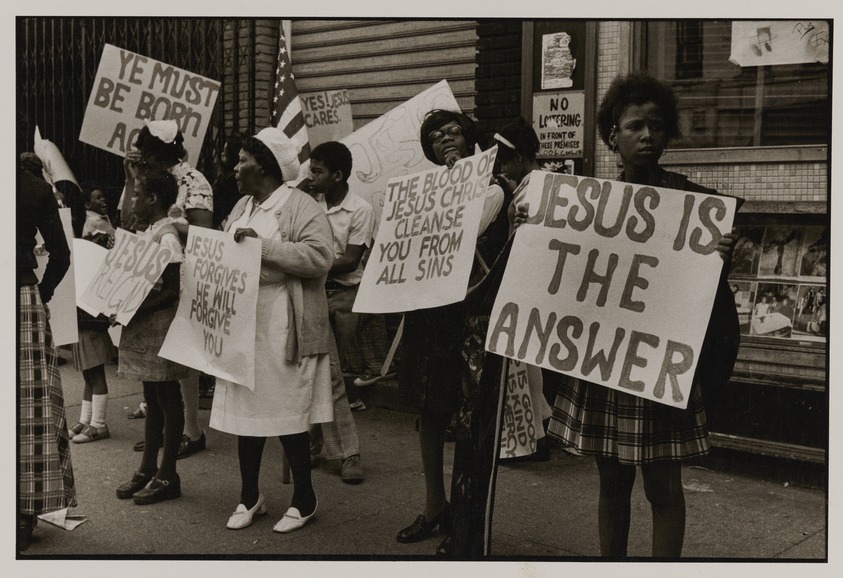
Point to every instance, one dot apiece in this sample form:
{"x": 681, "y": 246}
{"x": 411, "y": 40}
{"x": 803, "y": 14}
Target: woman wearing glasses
{"x": 431, "y": 367}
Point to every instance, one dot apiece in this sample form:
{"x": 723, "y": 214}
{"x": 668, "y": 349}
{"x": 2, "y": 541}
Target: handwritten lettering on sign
{"x": 425, "y": 243}
{"x": 214, "y": 327}
{"x": 519, "y": 430}
{"x": 612, "y": 283}
{"x": 130, "y": 88}
{"x": 128, "y": 273}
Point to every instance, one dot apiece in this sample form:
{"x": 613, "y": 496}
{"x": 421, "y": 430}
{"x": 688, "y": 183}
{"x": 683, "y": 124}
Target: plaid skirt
{"x": 45, "y": 470}
{"x": 598, "y": 420}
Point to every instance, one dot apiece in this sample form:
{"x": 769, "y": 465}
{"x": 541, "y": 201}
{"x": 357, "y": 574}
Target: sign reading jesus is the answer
{"x": 612, "y": 283}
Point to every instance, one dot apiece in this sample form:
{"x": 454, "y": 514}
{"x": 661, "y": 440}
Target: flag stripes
{"x": 286, "y": 106}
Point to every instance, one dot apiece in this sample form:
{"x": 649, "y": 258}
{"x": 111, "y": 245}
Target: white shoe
{"x": 293, "y": 520}
{"x": 242, "y": 517}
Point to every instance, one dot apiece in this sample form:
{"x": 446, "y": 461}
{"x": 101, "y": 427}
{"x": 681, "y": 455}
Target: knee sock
{"x": 297, "y": 448}
{"x": 249, "y": 454}
{"x": 99, "y": 403}
{"x": 85, "y": 414}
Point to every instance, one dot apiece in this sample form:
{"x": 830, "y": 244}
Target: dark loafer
{"x": 158, "y": 491}
{"x": 136, "y": 484}
{"x": 189, "y": 447}
{"x": 422, "y": 528}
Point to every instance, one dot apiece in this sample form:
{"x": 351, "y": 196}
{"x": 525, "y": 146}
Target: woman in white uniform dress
{"x": 292, "y": 385}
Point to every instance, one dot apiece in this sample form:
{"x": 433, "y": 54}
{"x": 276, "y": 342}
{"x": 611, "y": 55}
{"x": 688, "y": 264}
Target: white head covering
{"x": 163, "y": 130}
{"x": 284, "y": 151}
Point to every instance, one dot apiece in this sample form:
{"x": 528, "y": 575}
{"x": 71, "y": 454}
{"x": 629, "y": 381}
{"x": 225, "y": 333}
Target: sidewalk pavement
{"x": 544, "y": 511}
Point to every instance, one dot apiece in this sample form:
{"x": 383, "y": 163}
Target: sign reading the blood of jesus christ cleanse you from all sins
{"x": 130, "y": 88}
{"x": 612, "y": 283}
{"x": 424, "y": 248}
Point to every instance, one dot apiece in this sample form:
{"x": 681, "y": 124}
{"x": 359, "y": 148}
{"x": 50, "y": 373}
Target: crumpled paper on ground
{"x": 63, "y": 519}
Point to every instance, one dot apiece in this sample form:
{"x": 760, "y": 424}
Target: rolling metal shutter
{"x": 383, "y": 63}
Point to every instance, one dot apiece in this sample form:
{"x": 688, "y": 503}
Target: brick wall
{"x": 498, "y": 74}
{"x": 608, "y": 67}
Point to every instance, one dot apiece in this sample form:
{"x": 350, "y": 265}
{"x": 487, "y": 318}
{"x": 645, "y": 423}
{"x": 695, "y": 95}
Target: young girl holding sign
{"x": 636, "y": 119}
{"x": 154, "y": 193}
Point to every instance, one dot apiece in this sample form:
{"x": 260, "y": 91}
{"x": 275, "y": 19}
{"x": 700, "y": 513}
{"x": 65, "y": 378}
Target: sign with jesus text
{"x": 612, "y": 283}
{"x": 214, "y": 327}
{"x": 424, "y": 248}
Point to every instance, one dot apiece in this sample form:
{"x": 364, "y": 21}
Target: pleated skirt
{"x": 597, "y": 420}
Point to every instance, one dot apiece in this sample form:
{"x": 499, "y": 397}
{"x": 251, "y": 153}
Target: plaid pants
{"x": 45, "y": 476}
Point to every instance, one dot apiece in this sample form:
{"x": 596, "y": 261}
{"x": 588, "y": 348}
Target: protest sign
{"x": 327, "y": 115}
{"x": 214, "y": 327}
{"x": 63, "y": 304}
{"x": 389, "y": 146}
{"x": 88, "y": 258}
{"x": 127, "y": 274}
{"x": 130, "y": 88}
{"x": 612, "y": 283}
{"x": 56, "y": 168}
{"x": 424, "y": 248}
{"x": 520, "y": 433}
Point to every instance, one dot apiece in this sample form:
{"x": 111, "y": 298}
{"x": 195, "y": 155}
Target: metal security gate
{"x": 384, "y": 63}
{"x": 57, "y": 60}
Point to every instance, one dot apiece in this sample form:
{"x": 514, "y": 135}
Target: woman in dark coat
{"x": 431, "y": 368}
{"x": 45, "y": 477}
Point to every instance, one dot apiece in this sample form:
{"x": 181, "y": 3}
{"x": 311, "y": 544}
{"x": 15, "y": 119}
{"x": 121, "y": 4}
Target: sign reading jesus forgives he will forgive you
{"x": 214, "y": 327}
{"x": 424, "y": 248}
{"x": 612, "y": 283}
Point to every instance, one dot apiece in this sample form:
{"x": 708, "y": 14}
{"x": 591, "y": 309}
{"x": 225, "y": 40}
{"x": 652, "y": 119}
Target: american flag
{"x": 286, "y": 106}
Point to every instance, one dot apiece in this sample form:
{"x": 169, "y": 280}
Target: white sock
{"x": 98, "y": 404}
{"x": 85, "y": 414}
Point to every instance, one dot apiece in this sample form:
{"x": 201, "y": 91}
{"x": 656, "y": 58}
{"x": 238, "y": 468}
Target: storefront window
{"x": 766, "y": 100}
{"x": 778, "y": 277}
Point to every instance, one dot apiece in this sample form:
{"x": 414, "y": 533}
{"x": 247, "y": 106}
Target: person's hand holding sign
{"x": 132, "y": 163}
{"x": 521, "y": 213}
{"x": 241, "y": 233}
{"x": 726, "y": 245}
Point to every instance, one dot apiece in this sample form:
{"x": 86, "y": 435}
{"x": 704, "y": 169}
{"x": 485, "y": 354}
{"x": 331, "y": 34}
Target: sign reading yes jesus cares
{"x": 612, "y": 283}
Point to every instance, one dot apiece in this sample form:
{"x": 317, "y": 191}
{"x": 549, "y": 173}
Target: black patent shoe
{"x": 136, "y": 484}
{"x": 158, "y": 491}
{"x": 422, "y": 528}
